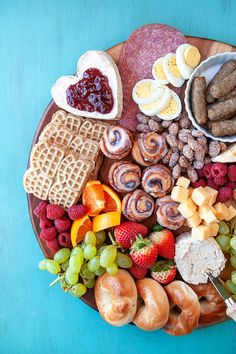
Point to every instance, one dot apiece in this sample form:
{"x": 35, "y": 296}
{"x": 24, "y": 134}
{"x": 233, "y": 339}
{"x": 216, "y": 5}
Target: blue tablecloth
{"x": 40, "y": 41}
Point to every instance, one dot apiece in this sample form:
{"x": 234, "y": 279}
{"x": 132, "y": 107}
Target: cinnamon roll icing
{"x": 167, "y": 213}
{"x": 149, "y": 148}
{"x": 137, "y": 206}
{"x": 124, "y": 176}
{"x": 116, "y": 142}
{"x": 157, "y": 180}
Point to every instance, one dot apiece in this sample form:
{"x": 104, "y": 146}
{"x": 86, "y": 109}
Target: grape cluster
{"x": 77, "y": 268}
{"x": 226, "y": 239}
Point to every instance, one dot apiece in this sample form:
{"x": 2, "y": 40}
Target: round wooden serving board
{"x": 207, "y": 48}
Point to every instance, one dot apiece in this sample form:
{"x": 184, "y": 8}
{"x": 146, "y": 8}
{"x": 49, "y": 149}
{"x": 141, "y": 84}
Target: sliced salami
{"x": 142, "y": 48}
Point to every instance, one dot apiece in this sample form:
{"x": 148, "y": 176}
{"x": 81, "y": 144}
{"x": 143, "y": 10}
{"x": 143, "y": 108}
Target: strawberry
{"x": 138, "y": 272}
{"x": 127, "y": 231}
{"x": 163, "y": 271}
{"x": 165, "y": 242}
{"x": 144, "y": 252}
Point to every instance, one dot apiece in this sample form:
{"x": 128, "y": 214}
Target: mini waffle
{"x": 85, "y": 148}
{"x": 36, "y": 183}
{"x": 92, "y": 130}
{"x": 68, "y": 120}
{"x": 59, "y": 135}
{"x": 61, "y": 194}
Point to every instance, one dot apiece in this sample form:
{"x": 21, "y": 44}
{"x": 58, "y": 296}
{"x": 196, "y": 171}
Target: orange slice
{"x": 112, "y": 200}
{"x": 79, "y": 229}
{"x": 93, "y": 197}
{"x": 106, "y": 220}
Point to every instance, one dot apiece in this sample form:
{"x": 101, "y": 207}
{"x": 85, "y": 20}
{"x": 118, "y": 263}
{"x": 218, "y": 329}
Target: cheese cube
{"x": 222, "y": 212}
{"x": 188, "y": 208}
{"x": 203, "y": 210}
{"x": 231, "y": 213}
{"x": 200, "y": 196}
{"x": 183, "y": 182}
{"x": 213, "y": 195}
{"x": 214, "y": 228}
{"x": 210, "y": 217}
{"x": 179, "y": 194}
{"x": 194, "y": 220}
{"x": 201, "y": 232}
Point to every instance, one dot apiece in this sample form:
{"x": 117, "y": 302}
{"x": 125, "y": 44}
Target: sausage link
{"x": 224, "y": 127}
{"x": 198, "y": 99}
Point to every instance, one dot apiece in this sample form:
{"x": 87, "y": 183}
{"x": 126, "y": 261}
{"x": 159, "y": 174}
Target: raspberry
{"x": 62, "y": 224}
{"x": 48, "y": 234}
{"x": 218, "y": 169}
{"x": 53, "y": 245}
{"x": 207, "y": 170}
{"x": 211, "y": 183}
{"x": 224, "y": 194}
{"x": 231, "y": 185}
{"x": 54, "y": 211}
{"x": 77, "y": 211}
{"x": 200, "y": 173}
{"x": 45, "y": 223}
{"x": 200, "y": 183}
{"x": 64, "y": 239}
{"x": 40, "y": 210}
{"x": 232, "y": 173}
{"x": 221, "y": 181}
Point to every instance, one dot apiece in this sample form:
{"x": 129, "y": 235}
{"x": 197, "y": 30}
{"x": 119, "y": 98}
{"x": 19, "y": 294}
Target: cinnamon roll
{"x": 124, "y": 176}
{"x": 116, "y": 142}
{"x": 157, "y": 180}
{"x": 168, "y": 214}
{"x": 149, "y": 148}
{"x": 137, "y": 206}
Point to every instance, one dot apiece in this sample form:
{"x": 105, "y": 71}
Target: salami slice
{"x": 142, "y": 48}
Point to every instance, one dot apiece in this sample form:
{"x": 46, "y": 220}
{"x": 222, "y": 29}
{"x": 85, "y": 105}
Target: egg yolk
{"x": 144, "y": 90}
{"x": 171, "y": 108}
{"x": 173, "y": 66}
{"x": 159, "y": 71}
{"x": 192, "y": 56}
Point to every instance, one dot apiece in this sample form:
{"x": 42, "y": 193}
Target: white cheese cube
{"x": 179, "y": 194}
{"x": 183, "y": 182}
{"x": 200, "y": 196}
{"x": 201, "y": 232}
{"x": 188, "y": 208}
{"x": 213, "y": 195}
{"x": 194, "y": 220}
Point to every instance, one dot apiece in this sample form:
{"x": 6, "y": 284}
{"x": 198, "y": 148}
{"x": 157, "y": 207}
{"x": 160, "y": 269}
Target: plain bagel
{"x": 154, "y": 313}
{"x": 116, "y": 297}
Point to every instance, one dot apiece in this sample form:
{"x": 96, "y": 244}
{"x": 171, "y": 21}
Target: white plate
{"x": 208, "y": 68}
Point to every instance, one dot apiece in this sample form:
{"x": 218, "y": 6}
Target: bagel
{"x": 184, "y": 309}
{"x": 212, "y": 305}
{"x": 116, "y": 297}
{"x": 153, "y": 314}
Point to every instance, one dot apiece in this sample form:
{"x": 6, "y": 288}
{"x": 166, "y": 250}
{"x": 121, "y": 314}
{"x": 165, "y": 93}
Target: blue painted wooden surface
{"x": 39, "y": 41}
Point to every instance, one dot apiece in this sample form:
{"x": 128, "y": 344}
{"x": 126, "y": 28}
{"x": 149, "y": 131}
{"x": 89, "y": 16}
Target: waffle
{"x": 36, "y": 183}
{"x": 85, "y": 148}
{"x": 61, "y": 194}
{"x": 68, "y": 120}
{"x": 92, "y": 130}
{"x": 59, "y": 135}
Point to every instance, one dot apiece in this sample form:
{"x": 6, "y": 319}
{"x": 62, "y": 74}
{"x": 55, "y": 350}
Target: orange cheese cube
{"x": 214, "y": 228}
{"x": 231, "y": 213}
{"x": 201, "y": 232}
{"x": 200, "y": 196}
{"x": 188, "y": 208}
{"x": 213, "y": 195}
{"x": 194, "y": 220}
{"x": 183, "y": 182}
{"x": 179, "y": 194}
{"x": 221, "y": 211}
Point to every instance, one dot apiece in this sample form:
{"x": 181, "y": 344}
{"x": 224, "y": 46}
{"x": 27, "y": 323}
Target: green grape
{"x": 233, "y": 252}
{"x": 85, "y": 272}
{"x": 78, "y": 289}
{"x": 223, "y": 228}
{"x": 233, "y": 277}
{"x": 123, "y": 260}
{"x": 65, "y": 265}
{"x": 223, "y": 241}
{"x": 94, "y": 264}
{"x": 100, "y": 237}
{"x": 90, "y": 238}
{"x": 53, "y": 267}
{"x": 62, "y": 255}
{"x": 231, "y": 287}
{"x": 71, "y": 278}
{"x": 89, "y": 283}
{"x": 78, "y": 250}
{"x": 90, "y": 251}
{"x": 101, "y": 248}
{"x": 108, "y": 256}
{"x": 112, "y": 268}
{"x": 43, "y": 264}
{"x": 100, "y": 271}
{"x": 233, "y": 242}
{"x": 83, "y": 245}
{"x": 233, "y": 261}
{"x": 75, "y": 263}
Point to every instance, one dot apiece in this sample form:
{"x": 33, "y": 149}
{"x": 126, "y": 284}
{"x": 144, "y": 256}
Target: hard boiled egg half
{"x": 187, "y": 58}
{"x": 158, "y": 104}
{"x": 172, "y": 109}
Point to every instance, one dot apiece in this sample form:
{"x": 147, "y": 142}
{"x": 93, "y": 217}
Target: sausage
{"x": 224, "y": 127}
{"x": 198, "y": 99}
{"x": 226, "y": 97}
{"x": 224, "y": 86}
{"x": 226, "y": 69}
{"x": 222, "y": 110}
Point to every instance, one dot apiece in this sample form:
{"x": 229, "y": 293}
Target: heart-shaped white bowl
{"x": 208, "y": 68}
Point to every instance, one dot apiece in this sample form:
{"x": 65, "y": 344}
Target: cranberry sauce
{"x": 92, "y": 93}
